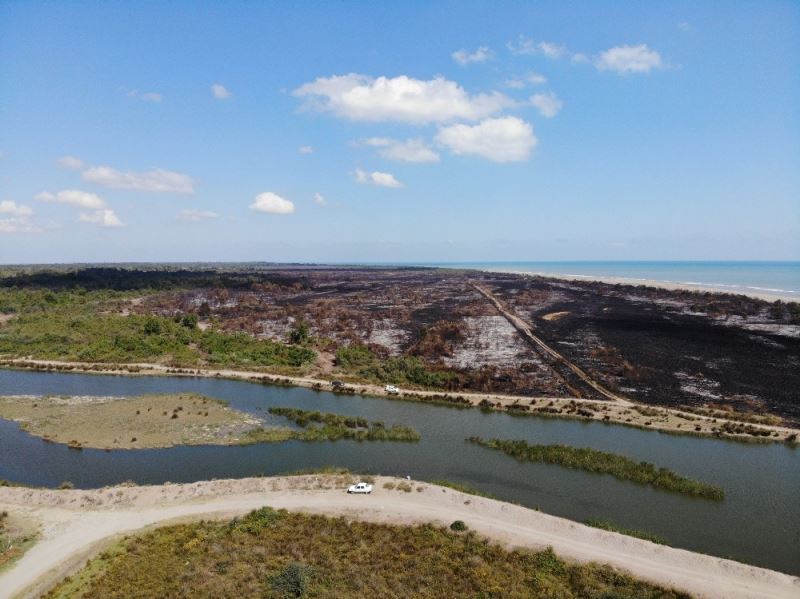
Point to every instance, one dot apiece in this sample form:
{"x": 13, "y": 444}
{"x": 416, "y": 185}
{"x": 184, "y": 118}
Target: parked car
{"x": 360, "y": 488}
{"x": 337, "y": 384}
{"x": 391, "y": 390}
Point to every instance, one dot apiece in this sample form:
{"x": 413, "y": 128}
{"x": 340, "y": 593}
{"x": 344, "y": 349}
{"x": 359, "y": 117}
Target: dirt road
{"x": 75, "y": 524}
{"x": 526, "y": 330}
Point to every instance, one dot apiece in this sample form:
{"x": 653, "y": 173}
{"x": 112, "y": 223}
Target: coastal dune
{"x": 76, "y": 524}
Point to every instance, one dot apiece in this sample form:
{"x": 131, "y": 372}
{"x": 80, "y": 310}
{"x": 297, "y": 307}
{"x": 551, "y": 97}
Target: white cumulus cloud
{"x": 404, "y": 99}
{"x": 220, "y": 92}
{"x": 377, "y": 178}
{"x": 272, "y": 203}
{"x": 70, "y": 162}
{"x": 194, "y": 216}
{"x": 410, "y": 150}
{"x": 548, "y": 104}
{"x": 73, "y": 197}
{"x": 507, "y": 139}
{"x": 306, "y": 150}
{"x": 156, "y": 180}
{"x": 320, "y": 200}
{"x": 101, "y": 218}
{"x": 629, "y": 59}
{"x": 14, "y": 209}
{"x": 464, "y": 57}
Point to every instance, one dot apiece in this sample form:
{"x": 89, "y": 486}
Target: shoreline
{"x": 636, "y": 415}
{"x": 769, "y": 295}
{"x": 77, "y": 524}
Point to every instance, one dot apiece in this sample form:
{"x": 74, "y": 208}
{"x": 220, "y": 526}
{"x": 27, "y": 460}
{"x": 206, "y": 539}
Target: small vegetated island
{"x": 602, "y": 462}
{"x": 278, "y": 554}
{"x": 166, "y": 420}
{"x": 324, "y": 426}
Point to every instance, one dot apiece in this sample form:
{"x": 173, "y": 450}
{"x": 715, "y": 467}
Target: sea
{"x": 768, "y": 278}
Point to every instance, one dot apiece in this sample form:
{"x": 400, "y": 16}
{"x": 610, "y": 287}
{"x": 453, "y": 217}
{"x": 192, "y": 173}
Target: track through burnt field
{"x": 557, "y": 361}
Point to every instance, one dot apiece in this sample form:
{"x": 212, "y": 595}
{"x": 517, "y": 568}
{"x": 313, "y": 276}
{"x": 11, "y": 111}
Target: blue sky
{"x": 443, "y": 131}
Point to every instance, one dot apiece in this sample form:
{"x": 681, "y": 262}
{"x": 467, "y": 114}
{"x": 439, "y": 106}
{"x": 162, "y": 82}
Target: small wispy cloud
{"x": 156, "y": 180}
{"x": 153, "y": 97}
{"x": 527, "y": 47}
{"x": 19, "y": 225}
{"x": 306, "y": 150}
{"x": 102, "y": 218}
{"x": 626, "y": 60}
{"x": 194, "y": 216}
{"x": 14, "y": 209}
{"x": 70, "y": 162}
{"x": 376, "y": 178}
{"x": 410, "y": 150}
{"x": 220, "y": 92}
{"x": 464, "y": 57}
{"x": 320, "y": 200}
{"x": 73, "y": 197}
{"x": 547, "y": 104}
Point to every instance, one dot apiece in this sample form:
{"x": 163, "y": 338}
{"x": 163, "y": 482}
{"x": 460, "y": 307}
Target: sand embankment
{"x": 77, "y": 523}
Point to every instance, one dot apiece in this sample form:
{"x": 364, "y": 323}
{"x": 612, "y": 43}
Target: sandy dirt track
{"x": 76, "y": 523}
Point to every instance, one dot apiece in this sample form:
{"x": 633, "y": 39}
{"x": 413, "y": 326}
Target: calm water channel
{"x": 758, "y": 522}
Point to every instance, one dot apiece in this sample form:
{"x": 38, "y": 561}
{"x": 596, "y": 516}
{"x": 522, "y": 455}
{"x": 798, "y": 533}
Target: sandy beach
{"x": 76, "y": 524}
{"x": 765, "y": 294}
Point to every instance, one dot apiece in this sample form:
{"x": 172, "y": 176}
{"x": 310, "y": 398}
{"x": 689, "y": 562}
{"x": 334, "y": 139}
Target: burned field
{"x": 437, "y": 329}
{"x": 671, "y": 348}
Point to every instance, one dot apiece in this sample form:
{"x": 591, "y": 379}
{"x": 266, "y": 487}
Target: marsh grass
{"x": 602, "y": 462}
{"x": 275, "y": 554}
{"x": 324, "y": 426}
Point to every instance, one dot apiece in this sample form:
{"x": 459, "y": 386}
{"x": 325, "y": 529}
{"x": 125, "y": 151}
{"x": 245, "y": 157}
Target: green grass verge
{"x": 276, "y": 554}
{"x": 602, "y": 462}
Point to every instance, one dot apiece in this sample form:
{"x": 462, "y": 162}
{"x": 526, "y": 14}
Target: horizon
{"x": 325, "y": 134}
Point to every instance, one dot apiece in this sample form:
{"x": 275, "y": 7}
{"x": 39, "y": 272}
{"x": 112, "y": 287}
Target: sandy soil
{"x": 554, "y": 315}
{"x": 668, "y": 419}
{"x": 77, "y": 524}
{"x": 128, "y": 422}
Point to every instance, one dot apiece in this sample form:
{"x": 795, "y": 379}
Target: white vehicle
{"x": 391, "y": 390}
{"x": 360, "y": 488}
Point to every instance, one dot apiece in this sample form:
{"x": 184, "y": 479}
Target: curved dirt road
{"x": 75, "y": 524}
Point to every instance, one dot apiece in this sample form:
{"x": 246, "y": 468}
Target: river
{"x": 758, "y": 522}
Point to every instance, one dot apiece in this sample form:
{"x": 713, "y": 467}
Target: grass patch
{"x": 602, "y": 462}
{"x": 15, "y": 540}
{"x": 324, "y": 426}
{"x": 411, "y": 371}
{"x": 639, "y": 534}
{"x": 277, "y": 554}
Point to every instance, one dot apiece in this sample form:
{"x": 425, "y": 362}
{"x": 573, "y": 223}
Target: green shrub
{"x": 458, "y": 526}
{"x": 292, "y": 580}
{"x": 257, "y": 520}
